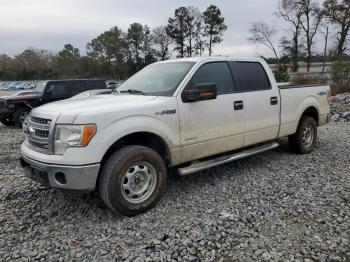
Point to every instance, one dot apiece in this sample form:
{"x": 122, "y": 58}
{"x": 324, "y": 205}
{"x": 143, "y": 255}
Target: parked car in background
{"x": 10, "y": 86}
{"x": 3, "y": 85}
{"x": 14, "y": 109}
{"x": 185, "y": 115}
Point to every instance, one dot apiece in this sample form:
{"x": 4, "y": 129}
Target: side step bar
{"x": 199, "y": 166}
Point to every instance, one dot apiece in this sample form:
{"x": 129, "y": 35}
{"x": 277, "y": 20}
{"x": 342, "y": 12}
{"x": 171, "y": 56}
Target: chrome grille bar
{"x": 38, "y": 133}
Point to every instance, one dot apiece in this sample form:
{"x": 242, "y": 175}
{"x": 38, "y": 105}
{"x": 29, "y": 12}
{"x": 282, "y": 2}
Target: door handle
{"x": 274, "y": 100}
{"x": 238, "y": 105}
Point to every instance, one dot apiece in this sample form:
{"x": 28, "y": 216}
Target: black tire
{"x": 6, "y": 122}
{"x": 304, "y": 140}
{"x": 18, "y": 116}
{"x": 118, "y": 173}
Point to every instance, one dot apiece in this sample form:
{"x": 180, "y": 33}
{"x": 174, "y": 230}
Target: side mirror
{"x": 199, "y": 92}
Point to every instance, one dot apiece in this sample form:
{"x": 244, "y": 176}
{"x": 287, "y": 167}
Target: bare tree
{"x": 262, "y": 33}
{"x": 311, "y": 17}
{"x": 339, "y": 13}
{"x": 291, "y": 12}
{"x": 162, "y": 41}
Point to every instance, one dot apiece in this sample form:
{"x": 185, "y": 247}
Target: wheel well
{"x": 311, "y": 112}
{"x": 142, "y": 139}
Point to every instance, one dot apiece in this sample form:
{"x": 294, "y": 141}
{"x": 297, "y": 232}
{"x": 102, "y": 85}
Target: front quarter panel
{"x": 159, "y": 117}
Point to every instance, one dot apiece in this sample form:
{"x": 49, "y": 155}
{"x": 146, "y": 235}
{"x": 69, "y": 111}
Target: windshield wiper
{"x": 133, "y": 91}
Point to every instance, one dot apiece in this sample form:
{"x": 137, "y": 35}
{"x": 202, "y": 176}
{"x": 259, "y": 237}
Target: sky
{"x": 49, "y": 24}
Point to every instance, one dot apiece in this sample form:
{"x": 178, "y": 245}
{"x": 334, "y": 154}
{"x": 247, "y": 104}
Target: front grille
{"x": 38, "y": 130}
{"x": 40, "y": 121}
{"x": 37, "y": 146}
{"x": 41, "y": 133}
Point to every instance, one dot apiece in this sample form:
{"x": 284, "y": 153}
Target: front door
{"x": 213, "y": 126}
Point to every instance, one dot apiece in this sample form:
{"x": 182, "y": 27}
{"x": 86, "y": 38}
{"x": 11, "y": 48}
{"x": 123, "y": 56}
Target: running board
{"x": 199, "y": 166}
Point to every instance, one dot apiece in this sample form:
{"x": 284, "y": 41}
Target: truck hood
{"x": 98, "y": 103}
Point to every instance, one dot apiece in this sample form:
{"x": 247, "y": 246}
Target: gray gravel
{"x": 272, "y": 207}
{"x": 340, "y": 108}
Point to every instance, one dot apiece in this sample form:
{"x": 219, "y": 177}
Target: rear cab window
{"x": 251, "y": 76}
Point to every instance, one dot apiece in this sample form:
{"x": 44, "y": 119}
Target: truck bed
{"x": 295, "y": 99}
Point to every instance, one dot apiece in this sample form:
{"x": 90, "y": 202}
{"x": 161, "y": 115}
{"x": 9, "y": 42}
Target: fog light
{"x": 60, "y": 178}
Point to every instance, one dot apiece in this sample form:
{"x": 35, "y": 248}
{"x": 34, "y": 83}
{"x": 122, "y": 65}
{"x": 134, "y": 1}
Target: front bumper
{"x": 80, "y": 178}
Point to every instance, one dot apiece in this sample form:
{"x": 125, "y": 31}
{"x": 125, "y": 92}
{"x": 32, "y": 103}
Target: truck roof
{"x": 214, "y": 58}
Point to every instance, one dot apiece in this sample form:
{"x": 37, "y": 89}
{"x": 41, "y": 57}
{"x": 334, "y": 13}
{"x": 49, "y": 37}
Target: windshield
{"x": 40, "y": 87}
{"x": 157, "y": 79}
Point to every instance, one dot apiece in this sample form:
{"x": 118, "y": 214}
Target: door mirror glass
{"x": 199, "y": 92}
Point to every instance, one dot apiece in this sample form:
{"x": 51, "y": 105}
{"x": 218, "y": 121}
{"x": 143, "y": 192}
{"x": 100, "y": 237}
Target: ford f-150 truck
{"x": 184, "y": 115}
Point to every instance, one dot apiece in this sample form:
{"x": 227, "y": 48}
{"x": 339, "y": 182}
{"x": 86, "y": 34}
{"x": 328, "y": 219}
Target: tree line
{"x": 116, "y": 54}
{"x": 306, "y": 19}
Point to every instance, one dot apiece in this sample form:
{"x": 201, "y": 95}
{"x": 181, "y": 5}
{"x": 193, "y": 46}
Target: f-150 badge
{"x": 167, "y": 112}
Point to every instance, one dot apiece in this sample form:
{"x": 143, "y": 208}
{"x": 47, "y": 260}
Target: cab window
{"x": 215, "y": 72}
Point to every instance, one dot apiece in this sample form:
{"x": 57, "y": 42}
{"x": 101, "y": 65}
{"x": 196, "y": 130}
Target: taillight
{"x": 329, "y": 97}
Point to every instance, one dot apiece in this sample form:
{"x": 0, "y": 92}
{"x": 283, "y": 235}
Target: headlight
{"x": 72, "y": 136}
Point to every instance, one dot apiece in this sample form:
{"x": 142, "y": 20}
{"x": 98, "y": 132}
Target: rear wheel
{"x": 20, "y": 115}
{"x": 304, "y": 140}
{"x": 6, "y": 122}
{"x": 132, "y": 180}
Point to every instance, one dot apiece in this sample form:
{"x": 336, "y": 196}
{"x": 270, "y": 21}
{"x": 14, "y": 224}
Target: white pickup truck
{"x": 186, "y": 115}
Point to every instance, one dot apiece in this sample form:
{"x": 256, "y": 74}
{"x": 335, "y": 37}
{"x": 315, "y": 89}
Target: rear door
{"x": 213, "y": 126}
{"x": 260, "y": 102}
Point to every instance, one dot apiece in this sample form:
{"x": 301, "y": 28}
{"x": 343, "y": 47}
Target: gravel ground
{"x": 340, "y": 108}
{"x": 276, "y": 206}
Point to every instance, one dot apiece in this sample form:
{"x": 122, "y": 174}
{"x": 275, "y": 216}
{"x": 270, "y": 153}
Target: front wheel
{"x": 132, "y": 180}
{"x": 20, "y": 115}
{"x": 304, "y": 140}
{"x": 6, "y": 122}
